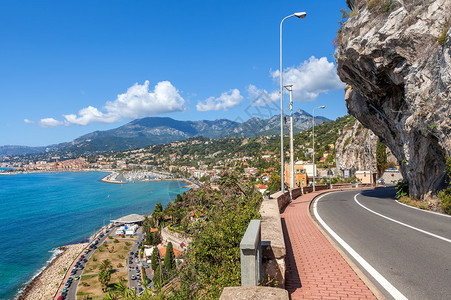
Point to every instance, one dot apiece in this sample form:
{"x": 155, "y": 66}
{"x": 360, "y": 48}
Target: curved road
{"x": 409, "y": 249}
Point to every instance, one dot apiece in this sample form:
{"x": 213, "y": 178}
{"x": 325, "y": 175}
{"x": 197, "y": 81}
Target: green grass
{"x": 83, "y": 294}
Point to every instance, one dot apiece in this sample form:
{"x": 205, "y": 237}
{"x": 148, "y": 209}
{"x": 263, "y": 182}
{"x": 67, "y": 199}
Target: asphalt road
{"x": 72, "y": 290}
{"x": 410, "y": 248}
{"x": 136, "y": 262}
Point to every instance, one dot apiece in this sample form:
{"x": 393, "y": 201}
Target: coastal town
{"x": 132, "y": 251}
{"x": 202, "y": 161}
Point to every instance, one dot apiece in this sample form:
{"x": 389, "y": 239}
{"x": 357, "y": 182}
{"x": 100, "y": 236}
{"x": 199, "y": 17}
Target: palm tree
{"x": 111, "y": 296}
{"x": 104, "y": 279}
{"x": 121, "y": 286}
{"x": 130, "y": 294}
{"x": 106, "y": 265}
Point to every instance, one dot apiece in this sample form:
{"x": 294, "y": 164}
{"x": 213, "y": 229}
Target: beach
{"x": 44, "y": 285}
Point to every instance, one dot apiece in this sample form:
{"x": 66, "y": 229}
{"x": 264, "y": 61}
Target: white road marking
{"x": 372, "y": 271}
{"x": 427, "y": 211}
{"x": 401, "y": 223}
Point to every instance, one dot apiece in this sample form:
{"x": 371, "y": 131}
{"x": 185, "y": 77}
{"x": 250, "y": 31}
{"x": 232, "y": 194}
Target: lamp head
{"x": 300, "y": 15}
{"x": 322, "y": 106}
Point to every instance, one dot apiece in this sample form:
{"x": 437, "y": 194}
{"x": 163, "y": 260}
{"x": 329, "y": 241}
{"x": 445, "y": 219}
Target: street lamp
{"x": 289, "y": 87}
{"x": 299, "y": 15}
{"x": 314, "y": 168}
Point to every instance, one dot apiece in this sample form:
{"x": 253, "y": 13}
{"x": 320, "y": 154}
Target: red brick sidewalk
{"x": 315, "y": 269}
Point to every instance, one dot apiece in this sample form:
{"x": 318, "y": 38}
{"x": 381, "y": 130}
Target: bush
{"x": 445, "y": 195}
{"x": 380, "y": 5}
{"x": 213, "y": 261}
{"x": 445, "y": 200}
{"x": 115, "y": 241}
{"x": 402, "y": 189}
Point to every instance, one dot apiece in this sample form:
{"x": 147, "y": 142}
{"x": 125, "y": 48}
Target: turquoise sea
{"x": 41, "y": 212}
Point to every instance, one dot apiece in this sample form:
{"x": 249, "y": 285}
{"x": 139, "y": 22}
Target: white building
{"x": 130, "y": 229}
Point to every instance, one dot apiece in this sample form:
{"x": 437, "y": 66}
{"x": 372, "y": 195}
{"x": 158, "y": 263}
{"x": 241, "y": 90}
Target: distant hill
{"x": 159, "y": 130}
{"x": 9, "y": 150}
{"x": 257, "y": 127}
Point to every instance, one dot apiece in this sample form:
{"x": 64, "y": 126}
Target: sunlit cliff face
{"x": 395, "y": 57}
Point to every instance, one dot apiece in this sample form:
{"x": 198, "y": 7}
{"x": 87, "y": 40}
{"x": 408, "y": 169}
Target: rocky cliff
{"x": 395, "y": 57}
{"x": 356, "y": 149}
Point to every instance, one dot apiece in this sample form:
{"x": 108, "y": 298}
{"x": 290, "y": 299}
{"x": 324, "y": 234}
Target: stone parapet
{"x": 273, "y": 243}
{"x": 253, "y": 292}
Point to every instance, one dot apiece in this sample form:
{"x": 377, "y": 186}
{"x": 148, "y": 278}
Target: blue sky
{"x": 68, "y": 68}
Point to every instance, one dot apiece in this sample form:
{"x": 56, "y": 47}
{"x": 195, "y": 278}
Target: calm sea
{"x": 41, "y": 212}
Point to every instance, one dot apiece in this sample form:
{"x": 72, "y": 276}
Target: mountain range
{"x": 158, "y": 130}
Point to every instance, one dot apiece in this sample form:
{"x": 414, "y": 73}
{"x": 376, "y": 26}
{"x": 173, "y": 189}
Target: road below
{"x": 409, "y": 248}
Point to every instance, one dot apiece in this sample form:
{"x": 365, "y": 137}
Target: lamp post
{"x": 299, "y": 15}
{"x": 289, "y": 87}
{"x": 313, "y": 155}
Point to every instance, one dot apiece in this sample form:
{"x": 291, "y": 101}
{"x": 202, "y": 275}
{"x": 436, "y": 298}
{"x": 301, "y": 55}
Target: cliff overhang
{"x": 395, "y": 57}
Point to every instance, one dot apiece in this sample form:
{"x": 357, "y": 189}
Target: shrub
{"x": 445, "y": 200}
{"x": 347, "y": 141}
{"x": 445, "y": 195}
{"x": 442, "y": 38}
{"x": 115, "y": 241}
{"x": 379, "y": 5}
{"x": 402, "y": 189}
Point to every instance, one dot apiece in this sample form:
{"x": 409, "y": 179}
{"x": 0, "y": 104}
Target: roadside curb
{"x": 376, "y": 292}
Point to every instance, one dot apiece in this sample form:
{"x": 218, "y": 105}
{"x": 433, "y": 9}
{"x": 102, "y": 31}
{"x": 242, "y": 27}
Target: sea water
{"x": 43, "y": 211}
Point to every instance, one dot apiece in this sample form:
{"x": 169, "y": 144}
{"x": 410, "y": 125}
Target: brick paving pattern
{"x": 315, "y": 269}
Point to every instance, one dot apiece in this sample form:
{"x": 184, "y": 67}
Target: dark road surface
{"x": 410, "y": 248}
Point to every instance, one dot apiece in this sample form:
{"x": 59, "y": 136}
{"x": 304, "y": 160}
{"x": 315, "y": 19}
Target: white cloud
{"x": 138, "y": 101}
{"x": 49, "y": 122}
{"x": 91, "y": 114}
{"x": 260, "y": 97}
{"x": 311, "y": 78}
{"x": 28, "y": 121}
{"x": 225, "y": 101}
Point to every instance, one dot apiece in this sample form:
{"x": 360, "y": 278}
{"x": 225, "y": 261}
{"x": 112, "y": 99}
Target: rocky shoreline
{"x": 44, "y": 285}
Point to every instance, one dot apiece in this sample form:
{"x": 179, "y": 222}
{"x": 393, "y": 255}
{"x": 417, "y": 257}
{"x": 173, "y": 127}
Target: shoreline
{"x": 53, "y": 273}
{"x": 48, "y": 280}
{"x": 43, "y": 284}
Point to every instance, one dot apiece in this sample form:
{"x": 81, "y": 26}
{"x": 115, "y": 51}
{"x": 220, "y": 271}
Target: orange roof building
{"x": 163, "y": 252}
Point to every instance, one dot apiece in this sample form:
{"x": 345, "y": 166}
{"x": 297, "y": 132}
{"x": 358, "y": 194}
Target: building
{"x": 261, "y": 188}
{"x": 366, "y": 176}
{"x": 300, "y": 175}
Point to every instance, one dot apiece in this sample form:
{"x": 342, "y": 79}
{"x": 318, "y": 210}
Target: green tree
{"x": 381, "y": 157}
{"x": 157, "y": 277}
{"x": 104, "y": 279}
{"x": 274, "y": 184}
{"x": 169, "y": 258}
{"x": 106, "y": 265}
{"x": 155, "y": 259}
{"x": 157, "y": 214}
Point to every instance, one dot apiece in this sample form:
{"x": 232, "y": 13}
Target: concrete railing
{"x": 251, "y": 257}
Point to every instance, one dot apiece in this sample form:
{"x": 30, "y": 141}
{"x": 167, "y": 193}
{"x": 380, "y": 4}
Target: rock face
{"x": 356, "y": 149}
{"x": 399, "y": 79}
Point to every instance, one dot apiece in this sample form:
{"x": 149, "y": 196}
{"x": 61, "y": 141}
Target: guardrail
{"x": 251, "y": 255}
